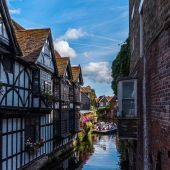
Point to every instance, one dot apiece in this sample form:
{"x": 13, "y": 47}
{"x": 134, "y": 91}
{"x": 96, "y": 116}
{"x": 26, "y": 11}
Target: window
{"x": 65, "y": 90}
{"x": 45, "y": 82}
{"x": 35, "y": 84}
{"x": 141, "y": 34}
{"x": 8, "y": 65}
{"x": 32, "y": 129}
{"x": 77, "y": 94}
{"x": 127, "y": 98}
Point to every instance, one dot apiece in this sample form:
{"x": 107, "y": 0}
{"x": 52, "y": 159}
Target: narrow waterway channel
{"x": 105, "y": 155}
{"x": 98, "y": 153}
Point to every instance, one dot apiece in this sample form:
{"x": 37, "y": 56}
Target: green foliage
{"x": 92, "y": 100}
{"x": 121, "y": 65}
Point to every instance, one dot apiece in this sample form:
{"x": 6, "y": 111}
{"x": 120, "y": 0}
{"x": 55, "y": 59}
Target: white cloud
{"x": 62, "y": 46}
{"x": 73, "y": 34}
{"x": 101, "y": 52}
{"x": 87, "y": 54}
{"x": 98, "y": 72}
{"x": 64, "y": 49}
{"x": 12, "y": 10}
{"x": 15, "y": 11}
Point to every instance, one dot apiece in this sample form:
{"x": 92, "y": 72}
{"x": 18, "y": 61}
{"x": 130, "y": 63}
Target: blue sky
{"x": 89, "y": 31}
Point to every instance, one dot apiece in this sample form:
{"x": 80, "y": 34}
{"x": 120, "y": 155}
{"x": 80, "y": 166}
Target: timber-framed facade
{"x": 34, "y": 97}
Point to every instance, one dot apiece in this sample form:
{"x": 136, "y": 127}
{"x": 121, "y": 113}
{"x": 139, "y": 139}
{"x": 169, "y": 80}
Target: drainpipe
{"x": 145, "y": 123}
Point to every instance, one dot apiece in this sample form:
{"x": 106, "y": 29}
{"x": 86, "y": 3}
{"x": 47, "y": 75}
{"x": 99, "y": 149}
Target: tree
{"x": 121, "y": 65}
{"x": 92, "y": 99}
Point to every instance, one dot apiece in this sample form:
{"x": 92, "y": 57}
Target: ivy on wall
{"x": 121, "y": 65}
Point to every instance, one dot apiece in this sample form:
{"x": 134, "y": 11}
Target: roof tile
{"x": 86, "y": 89}
{"x": 31, "y": 42}
{"x": 75, "y": 72}
{"x": 62, "y": 63}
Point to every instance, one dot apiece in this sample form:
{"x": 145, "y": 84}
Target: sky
{"x": 88, "y": 31}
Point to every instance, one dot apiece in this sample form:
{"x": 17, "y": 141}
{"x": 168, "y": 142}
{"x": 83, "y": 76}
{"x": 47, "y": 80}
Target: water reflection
{"x": 97, "y": 153}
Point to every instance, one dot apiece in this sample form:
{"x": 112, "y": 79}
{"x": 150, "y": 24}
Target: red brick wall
{"x": 156, "y": 22}
{"x": 158, "y": 90}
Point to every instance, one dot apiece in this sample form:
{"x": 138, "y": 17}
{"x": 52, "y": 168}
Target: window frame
{"x": 46, "y": 84}
{"x": 121, "y": 99}
{"x": 32, "y": 127}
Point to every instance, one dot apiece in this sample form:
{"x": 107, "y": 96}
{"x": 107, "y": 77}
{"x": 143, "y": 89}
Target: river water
{"x": 105, "y": 155}
{"x": 99, "y": 153}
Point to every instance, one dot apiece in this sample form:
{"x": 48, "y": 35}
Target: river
{"x": 99, "y": 153}
{"x": 105, "y": 155}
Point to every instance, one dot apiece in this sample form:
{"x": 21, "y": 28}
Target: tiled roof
{"x": 62, "y": 63}
{"x": 57, "y": 54}
{"x": 97, "y": 100}
{"x": 75, "y": 72}
{"x": 31, "y": 42}
{"x": 17, "y": 26}
{"x": 109, "y": 98}
{"x": 85, "y": 89}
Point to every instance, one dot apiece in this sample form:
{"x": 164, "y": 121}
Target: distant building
{"x": 108, "y": 104}
{"x": 85, "y": 99}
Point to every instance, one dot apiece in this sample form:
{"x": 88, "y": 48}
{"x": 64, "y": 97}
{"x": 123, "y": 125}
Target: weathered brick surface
{"x": 158, "y": 77}
{"x": 134, "y": 33}
{"x": 156, "y": 22}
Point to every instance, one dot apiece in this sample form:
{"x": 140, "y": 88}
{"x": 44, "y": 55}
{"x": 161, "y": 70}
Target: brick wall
{"x": 158, "y": 81}
{"x": 156, "y": 22}
{"x": 134, "y": 33}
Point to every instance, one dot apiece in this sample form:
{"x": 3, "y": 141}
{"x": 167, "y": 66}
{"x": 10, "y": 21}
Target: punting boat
{"x": 110, "y": 131}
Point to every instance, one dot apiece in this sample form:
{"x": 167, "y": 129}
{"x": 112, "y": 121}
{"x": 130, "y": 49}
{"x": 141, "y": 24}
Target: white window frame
{"x": 120, "y": 96}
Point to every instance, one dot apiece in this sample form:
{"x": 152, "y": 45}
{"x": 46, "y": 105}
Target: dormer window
{"x": 3, "y": 33}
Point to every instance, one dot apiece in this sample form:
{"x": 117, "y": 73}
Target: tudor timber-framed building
{"x": 30, "y": 95}
{"x": 75, "y": 99}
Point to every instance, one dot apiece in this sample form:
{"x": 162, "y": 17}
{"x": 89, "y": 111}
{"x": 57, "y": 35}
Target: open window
{"x": 127, "y": 98}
